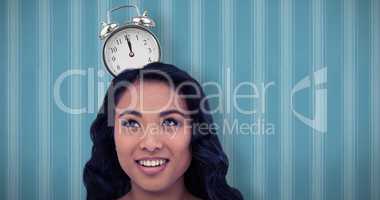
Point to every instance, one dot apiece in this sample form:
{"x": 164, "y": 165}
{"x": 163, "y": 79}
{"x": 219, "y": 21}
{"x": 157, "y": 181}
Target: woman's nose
{"x": 151, "y": 140}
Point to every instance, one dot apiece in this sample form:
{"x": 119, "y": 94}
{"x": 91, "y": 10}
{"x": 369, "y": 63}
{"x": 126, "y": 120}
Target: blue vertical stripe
{"x": 226, "y": 76}
{"x": 44, "y": 102}
{"x": 349, "y": 103}
{"x": 3, "y": 102}
{"x": 75, "y": 151}
{"x": 196, "y": 38}
{"x": 60, "y": 62}
{"x": 103, "y": 6}
{"x": 375, "y": 100}
{"x": 259, "y": 63}
{"x": 13, "y": 100}
{"x": 286, "y": 122}
{"x": 166, "y": 30}
{"x": 334, "y": 142}
{"x": 318, "y": 138}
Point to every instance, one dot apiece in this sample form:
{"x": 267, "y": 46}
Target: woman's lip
{"x": 152, "y": 158}
{"x": 150, "y": 171}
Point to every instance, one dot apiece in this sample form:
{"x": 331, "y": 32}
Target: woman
{"x": 153, "y": 139}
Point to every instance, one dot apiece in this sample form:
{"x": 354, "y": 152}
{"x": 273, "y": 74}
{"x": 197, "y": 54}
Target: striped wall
{"x": 311, "y": 66}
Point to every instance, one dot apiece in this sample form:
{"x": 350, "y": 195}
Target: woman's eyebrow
{"x": 168, "y": 112}
{"x": 163, "y": 113}
{"x": 131, "y": 112}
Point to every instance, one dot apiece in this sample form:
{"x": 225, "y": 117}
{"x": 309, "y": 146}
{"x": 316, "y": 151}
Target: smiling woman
{"x": 146, "y": 144}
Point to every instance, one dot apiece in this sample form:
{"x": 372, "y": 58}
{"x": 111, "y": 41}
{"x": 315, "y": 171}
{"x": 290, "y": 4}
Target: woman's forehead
{"x": 151, "y": 95}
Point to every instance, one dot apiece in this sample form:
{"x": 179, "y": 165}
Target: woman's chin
{"x": 151, "y": 185}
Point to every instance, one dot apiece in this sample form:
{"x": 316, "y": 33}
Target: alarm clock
{"x": 131, "y": 45}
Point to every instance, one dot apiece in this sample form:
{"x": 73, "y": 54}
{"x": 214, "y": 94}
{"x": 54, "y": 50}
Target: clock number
{"x": 150, "y": 50}
{"x": 113, "y": 58}
{"x": 145, "y": 42}
{"x": 137, "y": 37}
{"x": 113, "y": 49}
{"x": 118, "y": 41}
{"x": 126, "y": 36}
{"x": 149, "y": 60}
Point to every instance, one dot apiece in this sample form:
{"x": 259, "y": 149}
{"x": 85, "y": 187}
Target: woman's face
{"x": 152, "y": 135}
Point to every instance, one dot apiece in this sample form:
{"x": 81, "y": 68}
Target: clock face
{"x": 130, "y": 47}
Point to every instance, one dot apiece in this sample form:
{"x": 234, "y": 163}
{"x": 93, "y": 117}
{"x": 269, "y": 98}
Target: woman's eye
{"x": 170, "y": 122}
{"x": 130, "y": 123}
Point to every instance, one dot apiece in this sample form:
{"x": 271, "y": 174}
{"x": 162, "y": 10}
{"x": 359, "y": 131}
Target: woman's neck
{"x": 177, "y": 192}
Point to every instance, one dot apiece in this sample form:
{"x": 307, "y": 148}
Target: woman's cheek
{"x": 181, "y": 144}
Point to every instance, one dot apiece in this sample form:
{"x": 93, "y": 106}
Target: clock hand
{"x": 131, "y": 54}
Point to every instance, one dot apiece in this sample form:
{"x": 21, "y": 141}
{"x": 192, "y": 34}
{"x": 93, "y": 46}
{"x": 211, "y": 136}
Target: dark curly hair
{"x": 206, "y": 176}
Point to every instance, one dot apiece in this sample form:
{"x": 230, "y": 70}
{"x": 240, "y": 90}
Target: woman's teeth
{"x": 151, "y": 163}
